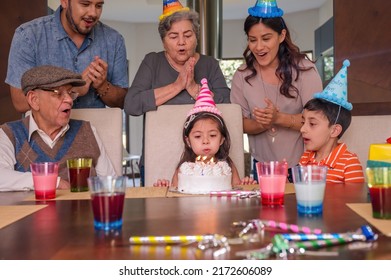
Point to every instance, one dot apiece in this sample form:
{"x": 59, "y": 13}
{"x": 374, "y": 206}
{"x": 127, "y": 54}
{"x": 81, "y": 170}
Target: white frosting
{"x": 202, "y": 178}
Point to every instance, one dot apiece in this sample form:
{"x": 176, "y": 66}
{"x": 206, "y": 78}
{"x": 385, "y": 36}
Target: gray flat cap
{"x": 47, "y": 76}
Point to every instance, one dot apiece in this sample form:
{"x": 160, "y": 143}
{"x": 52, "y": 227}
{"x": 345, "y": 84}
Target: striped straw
{"x": 167, "y": 239}
{"x": 232, "y": 193}
{"x": 306, "y": 236}
{"x": 285, "y": 226}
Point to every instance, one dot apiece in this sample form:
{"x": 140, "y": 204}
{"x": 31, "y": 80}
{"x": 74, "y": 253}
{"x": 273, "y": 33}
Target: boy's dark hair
{"x": 330, "y": 110}
{"x": 223, "y": 153}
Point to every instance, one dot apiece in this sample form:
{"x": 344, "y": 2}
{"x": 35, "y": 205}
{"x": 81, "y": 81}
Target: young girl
{"x": 205, "y": 134}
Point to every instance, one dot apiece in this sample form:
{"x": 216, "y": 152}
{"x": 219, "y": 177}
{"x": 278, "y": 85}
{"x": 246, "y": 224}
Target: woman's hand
{"x": 162, "y": 183}
{"x": 263, "y": 117}
{"x": 266, "y": 116}
{"x": 191, "y": 86}
{"x": 271, "y": 110}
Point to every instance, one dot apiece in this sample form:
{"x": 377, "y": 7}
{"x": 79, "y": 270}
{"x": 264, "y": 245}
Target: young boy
{"x": 325, "y": 119}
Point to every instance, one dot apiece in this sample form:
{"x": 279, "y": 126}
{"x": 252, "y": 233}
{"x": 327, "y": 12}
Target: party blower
{"x": 284, "y": 244}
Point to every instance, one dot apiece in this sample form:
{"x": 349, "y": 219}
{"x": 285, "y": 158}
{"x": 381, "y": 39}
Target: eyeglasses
{"x": 61, "y": 94}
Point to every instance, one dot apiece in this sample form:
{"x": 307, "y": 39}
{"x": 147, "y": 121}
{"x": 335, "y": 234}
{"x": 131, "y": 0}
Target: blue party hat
{"x": 337, "y": 90}
{"x": 266, "y": 9}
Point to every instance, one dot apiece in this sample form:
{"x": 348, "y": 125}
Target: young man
{"x": 75, "y": 39}
{"x": 48, "y": 134}
{"x": 325, "y": 119}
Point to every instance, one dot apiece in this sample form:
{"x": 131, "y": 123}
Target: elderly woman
{"x": 173, "y": 76}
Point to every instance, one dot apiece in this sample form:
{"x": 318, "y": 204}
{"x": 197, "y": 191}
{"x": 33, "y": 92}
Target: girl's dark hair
{"x": 330, "y": 110}
{"x": 222, "y": 154}
{"x": 289, "y": 55}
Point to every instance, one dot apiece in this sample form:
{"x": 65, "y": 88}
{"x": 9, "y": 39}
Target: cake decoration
{"x": 201, "y": 177}
{"x": 265, "y": 9}
{"x": 170, "y": 7}
{"x": 337, "y": 90}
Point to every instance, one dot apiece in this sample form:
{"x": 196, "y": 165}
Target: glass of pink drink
{"x": 45, "y": 179}
{"x": 107, "y": 199}
{"x": 272, "y": 178}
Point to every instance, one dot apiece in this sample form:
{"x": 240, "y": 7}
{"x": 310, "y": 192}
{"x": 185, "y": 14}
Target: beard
{"x": 77, "y": 27}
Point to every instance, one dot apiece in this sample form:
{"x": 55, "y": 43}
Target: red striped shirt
{"x": 343, "y": 165}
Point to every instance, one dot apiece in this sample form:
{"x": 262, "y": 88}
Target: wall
{"x": 364, "y": 38}
{"x": 12, "y": 14}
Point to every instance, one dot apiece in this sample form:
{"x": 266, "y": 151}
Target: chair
{"x": 129, "y": 160}
{"x": 108, "y": 123}
{"x": 164, "y": 144}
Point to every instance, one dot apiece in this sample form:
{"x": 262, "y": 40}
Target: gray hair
{"x": 166, "y": 23}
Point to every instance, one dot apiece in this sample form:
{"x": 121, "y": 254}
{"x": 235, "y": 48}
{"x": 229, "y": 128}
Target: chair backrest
{"x": 164, "y": 144}
{"x": 364, "y": 131}
{"x": 108, "y": 123}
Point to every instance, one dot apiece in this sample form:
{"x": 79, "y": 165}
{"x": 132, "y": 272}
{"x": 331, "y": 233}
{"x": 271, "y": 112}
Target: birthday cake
{"x": 202, "y": 178}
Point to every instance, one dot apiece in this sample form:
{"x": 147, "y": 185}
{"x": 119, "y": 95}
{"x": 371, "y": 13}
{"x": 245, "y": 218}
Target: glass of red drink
{"x": 379, "y": 183}
{"x": 272, "y": 177}
{"x": 79, "y": 170}
{"x": 45, "y": 179}
{"x": 107, "y": 198}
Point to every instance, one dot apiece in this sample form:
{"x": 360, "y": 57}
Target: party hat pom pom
{"x": 346, "y": 63}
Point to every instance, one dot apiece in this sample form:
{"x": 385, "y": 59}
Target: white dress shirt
{"x": 11, "y": 180}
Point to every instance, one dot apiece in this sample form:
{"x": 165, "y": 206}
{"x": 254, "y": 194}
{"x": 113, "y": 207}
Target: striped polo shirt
{"x": 343, "y": 166}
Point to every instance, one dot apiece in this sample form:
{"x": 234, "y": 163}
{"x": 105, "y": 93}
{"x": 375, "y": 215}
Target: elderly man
{"x": 48, "y": 133}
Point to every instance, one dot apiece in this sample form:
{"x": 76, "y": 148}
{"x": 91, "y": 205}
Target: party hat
{"x": 204, "y": 102}
{"x": 337, "y": 90}
{"x": 266, "y": 9}
{"x": 170, "y": 7}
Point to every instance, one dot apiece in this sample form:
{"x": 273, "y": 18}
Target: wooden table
{"x": 64, "y": 229}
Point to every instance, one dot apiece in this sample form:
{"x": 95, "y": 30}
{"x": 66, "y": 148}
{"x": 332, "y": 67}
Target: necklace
{"x": 272, "y": 131}
{"x": 169, "y": 62}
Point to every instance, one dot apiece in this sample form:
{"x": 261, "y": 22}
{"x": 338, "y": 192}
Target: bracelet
{"x": 198, "y": 92}
{"x": 292, "y": 122}
{"x": 105, "y": 92}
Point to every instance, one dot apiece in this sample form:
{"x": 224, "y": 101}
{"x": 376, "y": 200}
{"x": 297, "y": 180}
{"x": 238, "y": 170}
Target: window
{"x": 229, "y": 66}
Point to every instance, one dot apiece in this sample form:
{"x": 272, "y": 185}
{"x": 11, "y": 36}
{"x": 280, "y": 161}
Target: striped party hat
{"x": 204, "y": 102}
{"x": 170, "y": 7}
{"x": 265, "y": 9}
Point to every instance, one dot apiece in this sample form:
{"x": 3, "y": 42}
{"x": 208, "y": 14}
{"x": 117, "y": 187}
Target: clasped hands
{"x": 95, "y": 74}
{"x": 186, "y": 80}
{"x": 266, "y": 116}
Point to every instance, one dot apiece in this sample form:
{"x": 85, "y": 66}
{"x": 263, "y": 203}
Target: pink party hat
{"x": 204, "y": 102}
{"x": 170, "y": 7}
{"x": 337, "y": 90}
{"x": 266, "y": 9}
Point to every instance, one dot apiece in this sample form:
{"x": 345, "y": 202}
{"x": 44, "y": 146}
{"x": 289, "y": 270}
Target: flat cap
{"x": 48, "y": 76}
